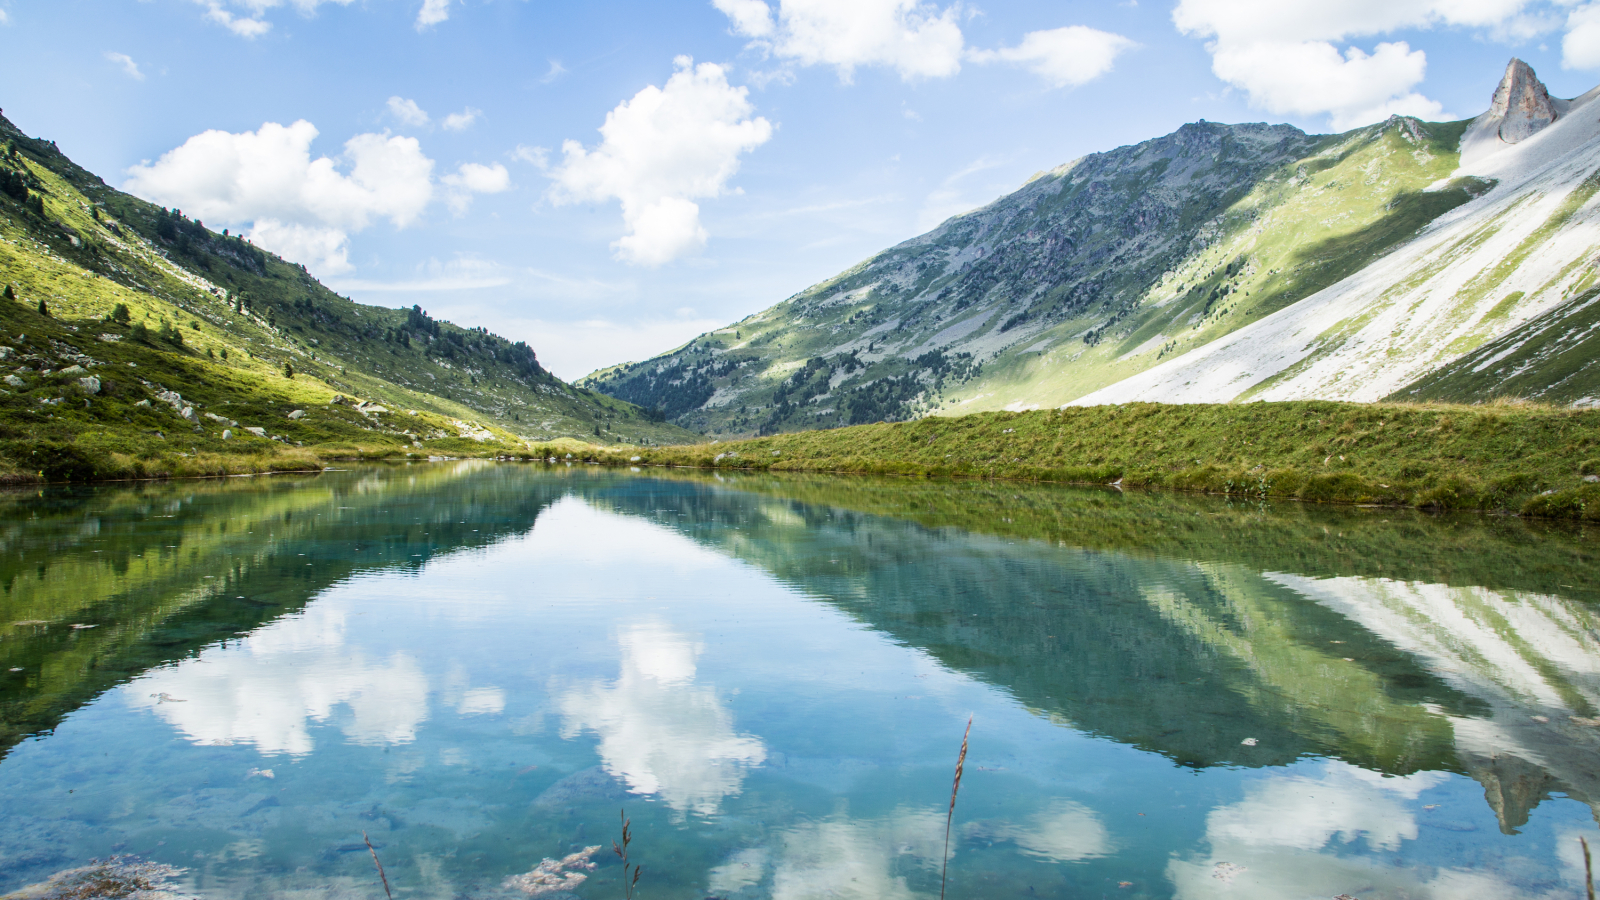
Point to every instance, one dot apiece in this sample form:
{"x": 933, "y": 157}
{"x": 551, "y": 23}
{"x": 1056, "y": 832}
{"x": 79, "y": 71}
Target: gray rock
{"x": 90, "y": 384}
{"x": 258, "y": 432}
{"x": 14, "y": 381}
{"x": 585, "y": 787}
{"x": 298, "y": 414}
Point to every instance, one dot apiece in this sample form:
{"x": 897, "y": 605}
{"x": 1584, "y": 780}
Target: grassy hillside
{"x": 1087, "y": 275}
{"x": 145, "y": 301}
{"x": 1553, "y": 358}
{"x": 1506, "y": 458}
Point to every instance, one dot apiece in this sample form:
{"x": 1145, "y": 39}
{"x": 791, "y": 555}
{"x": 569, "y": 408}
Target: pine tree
{"x": 10, "y": 294}
{"x": 288, "y": 370}
{"x": 43, "y": 310}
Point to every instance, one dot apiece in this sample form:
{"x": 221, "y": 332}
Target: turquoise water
{"x": 480, "y": 666}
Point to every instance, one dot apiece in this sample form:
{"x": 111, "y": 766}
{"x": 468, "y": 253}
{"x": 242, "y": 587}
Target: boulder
{"x": 90, "y": 384}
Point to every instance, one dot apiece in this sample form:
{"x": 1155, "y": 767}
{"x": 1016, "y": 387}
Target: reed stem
{"x": 385, "y": 878}
{"x": 949, "y": 816}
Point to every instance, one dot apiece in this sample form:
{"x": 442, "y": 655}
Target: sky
{"x": 607, "y": 179}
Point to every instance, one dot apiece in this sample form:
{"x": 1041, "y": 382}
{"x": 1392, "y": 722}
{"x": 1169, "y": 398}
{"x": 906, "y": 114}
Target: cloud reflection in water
{"x": 661, "y": 732}
{"x": 265, "y": 690}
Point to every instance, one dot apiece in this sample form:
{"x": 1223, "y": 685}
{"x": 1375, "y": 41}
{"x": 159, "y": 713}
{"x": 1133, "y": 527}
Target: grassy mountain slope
{"x": 146, "y": 303}
{"x": 1554, "y": 357}
{"x": 1519, "y": 252}
{"x": 1090, "y": 273}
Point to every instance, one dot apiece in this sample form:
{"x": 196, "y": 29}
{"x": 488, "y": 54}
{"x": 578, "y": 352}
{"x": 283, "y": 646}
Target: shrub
{"x": 120, "y": 314}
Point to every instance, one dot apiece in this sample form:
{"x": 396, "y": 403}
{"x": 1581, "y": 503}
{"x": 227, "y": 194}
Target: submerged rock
{"x": 582, "y": 788}
{"x": 112, "y": 879}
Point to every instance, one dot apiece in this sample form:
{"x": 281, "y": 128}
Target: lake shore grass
{"x": 1506, "y": 457}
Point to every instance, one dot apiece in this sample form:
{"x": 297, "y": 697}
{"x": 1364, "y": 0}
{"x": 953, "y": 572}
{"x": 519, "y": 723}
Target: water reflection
{"x": 661, "y": 732}
{"x": 264, "y": 689}
{"x": 478, "y": 665}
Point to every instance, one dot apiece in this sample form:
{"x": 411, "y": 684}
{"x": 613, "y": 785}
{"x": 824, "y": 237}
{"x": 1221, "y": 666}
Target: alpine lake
{"x": 481, "y": 667}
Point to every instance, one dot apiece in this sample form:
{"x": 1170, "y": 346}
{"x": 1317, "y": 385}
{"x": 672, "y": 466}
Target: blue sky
{"x": 451, "y": 151}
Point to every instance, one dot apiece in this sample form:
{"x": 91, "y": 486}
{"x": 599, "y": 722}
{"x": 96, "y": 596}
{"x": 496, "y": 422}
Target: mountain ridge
{"x": 1097, "y": 272}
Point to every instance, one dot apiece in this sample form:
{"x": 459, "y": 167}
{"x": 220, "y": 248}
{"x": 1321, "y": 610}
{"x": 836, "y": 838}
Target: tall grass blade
{"x": 386, "y": 891}
{"x": 961, "y": 764}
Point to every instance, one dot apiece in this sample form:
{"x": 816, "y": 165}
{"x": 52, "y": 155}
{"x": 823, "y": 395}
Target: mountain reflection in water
{"x": 1354, "y": 661}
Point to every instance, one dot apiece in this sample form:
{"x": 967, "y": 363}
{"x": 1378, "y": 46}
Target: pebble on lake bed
{"x": 1249, "y": 742}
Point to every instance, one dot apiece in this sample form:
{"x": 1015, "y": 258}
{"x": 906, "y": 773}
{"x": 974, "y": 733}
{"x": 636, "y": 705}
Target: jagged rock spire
{"x": 1522, "y": 103}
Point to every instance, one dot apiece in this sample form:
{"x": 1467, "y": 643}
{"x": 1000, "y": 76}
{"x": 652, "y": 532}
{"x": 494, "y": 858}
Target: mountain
{"x": 118, "y": 316}
{"x": 1219, "y": 262}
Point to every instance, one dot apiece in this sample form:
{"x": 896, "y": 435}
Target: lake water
{"x": 480, "y": 666}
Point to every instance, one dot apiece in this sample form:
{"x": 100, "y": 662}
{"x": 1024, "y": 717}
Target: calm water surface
{"x": 481, "y": 665}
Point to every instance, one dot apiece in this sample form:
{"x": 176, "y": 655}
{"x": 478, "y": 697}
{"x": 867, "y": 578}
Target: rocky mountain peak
{"x": 1521, "y": 103}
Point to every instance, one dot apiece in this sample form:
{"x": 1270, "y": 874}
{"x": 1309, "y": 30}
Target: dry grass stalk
{"x": 961, "y": 764}
{"x": 1588, "y": 867}
{"x": 628, "y": 883}
{"x": 386, "y": 891}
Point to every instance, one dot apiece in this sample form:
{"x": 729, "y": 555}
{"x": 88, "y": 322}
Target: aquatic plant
{"x": 553, "y": 876}
{"x": 961, "y": 763}
{"x": 628, "y": 883}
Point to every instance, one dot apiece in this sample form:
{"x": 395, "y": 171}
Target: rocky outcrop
{"x": 1521, "y": 103}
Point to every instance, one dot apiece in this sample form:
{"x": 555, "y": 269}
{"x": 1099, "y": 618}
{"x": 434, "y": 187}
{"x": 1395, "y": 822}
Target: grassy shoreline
{"x": 1511, "y": 458}
{"x": 1506, "y": 458}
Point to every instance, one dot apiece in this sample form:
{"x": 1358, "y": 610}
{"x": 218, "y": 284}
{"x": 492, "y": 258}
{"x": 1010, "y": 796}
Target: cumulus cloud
{"x": 660, "y": 151}
{"x": 1580, "y": 47}
{"x": 461, "y": 121}
{"x": 302, "y": 207}
{"x": 1307, "y": 79}
{"x": 432, "y": 13}
{"x": 1065, "y": 57}
{"x": 1287, "y": 56}
{"x": 474, "y": 178}
{"x": 914, "y": 38}
{"x": 129, "y": 67}
{"x": 407, "y": 112}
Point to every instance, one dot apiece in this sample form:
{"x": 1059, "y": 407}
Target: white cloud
{"x": 254, "y": 25}
{"x": 539, "y": 156}
{"x": 432, "y": 13}
{"x": 5, "y": 17}
{"x": 474, "y": 178}
{"x": 1580, "y": 47}
{"x": 407, "y": 112}
{"x": 556, "y": 71}
{"x": 461, "y": 121}
{"x": 130, "y": 67}
{"x": 300, "y": 207}
{"x": 752, "y": 18}
{"x": 660, "y": 151}
{"x": 464, "y": 273}
{"x": 1310, "y": 78}
{"x": 1065, "y": 57}
{"x": 1287, "y": 58}
{"x": 914, "y": 38}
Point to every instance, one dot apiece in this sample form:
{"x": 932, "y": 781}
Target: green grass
{"x": 1509, "y": 457}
